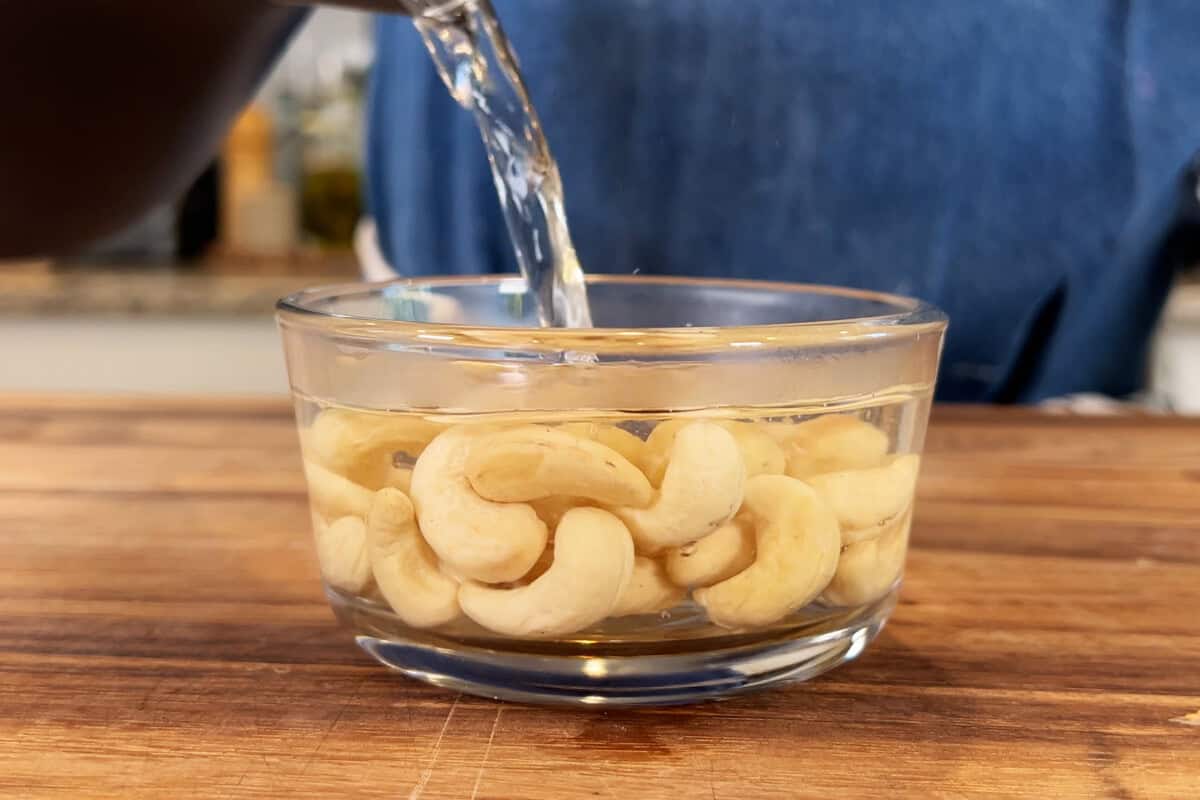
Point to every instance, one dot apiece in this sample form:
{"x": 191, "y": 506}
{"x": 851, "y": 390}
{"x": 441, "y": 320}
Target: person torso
{"x": 984, "y": 156}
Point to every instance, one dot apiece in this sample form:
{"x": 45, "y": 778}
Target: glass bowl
{"x": 710, "y": 492}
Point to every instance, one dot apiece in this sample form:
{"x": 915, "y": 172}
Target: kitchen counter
{"x": 202, "y": 329}
{"x": 223, "y": 287}
{"x": 163, "y": 633}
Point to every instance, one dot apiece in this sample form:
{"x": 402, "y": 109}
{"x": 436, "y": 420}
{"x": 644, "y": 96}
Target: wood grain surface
{"x": 163, "y": 635}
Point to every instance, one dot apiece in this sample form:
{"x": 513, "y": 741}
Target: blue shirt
{"x": 1020, "y": 163}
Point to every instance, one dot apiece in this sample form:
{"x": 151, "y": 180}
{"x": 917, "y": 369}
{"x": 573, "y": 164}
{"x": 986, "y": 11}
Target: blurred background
{"x": 181, "y": 301}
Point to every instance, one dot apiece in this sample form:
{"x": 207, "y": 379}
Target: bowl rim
{"x": 911, "y": 318}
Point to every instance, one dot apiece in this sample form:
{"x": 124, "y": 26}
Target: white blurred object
{"x": 375, "y": 267}
{"x": 371, "y": 260}
{"x": 1099, "y": 405}
{"x": 332, "y": 41}
{"x": 1175, "y": 372}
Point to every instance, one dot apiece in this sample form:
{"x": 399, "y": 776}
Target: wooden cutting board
{"x": 163, "y": 635}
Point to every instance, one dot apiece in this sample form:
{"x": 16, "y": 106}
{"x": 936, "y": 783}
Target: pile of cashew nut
{"x": 542, "y": 531}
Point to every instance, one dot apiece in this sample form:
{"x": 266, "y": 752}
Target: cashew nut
{"x": 700, "y": 492}
{"x": 542, "y": 565}
{"x": 866, "y": 499}
{"x": 619, "y": 439}
{"x": 399, "y": 478}
{"x": 360, "y": 446}
{"x": 534, "y": 461}
{"x": 476, "y": 538}
{"x": 761, "y": 454}
{"x": 832, "y": 444}
{"x": 405, "y": 569}
{"x": 722, "y": 554}
{"x": 855, "y": 535}
{"x": 649, "y": 590}
{"x": 593, "y": 563}
{"x": 342, "y": 553}
{"x": 551, "y": 509}
{"x": 334, "y": 496}
{"x": 797, "y": 545}
{"x": 657, "y": 450}
{"x": 867, "y": 570}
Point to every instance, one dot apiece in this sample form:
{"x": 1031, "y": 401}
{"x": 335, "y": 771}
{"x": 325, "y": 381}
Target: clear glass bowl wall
{"x": 709, "y": 492}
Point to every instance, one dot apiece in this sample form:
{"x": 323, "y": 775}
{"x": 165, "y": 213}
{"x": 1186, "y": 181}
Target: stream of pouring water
{"x": 475, "y": 60}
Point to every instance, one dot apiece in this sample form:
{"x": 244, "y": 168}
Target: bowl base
{"x": 607, "y": 679}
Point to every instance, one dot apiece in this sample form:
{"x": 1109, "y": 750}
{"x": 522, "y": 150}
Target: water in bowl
{"x": 892, "y": 424}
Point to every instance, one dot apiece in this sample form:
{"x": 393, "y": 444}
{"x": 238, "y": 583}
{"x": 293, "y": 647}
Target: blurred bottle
{"x": 258, "y": 212}
{"x": 332, "y": 148}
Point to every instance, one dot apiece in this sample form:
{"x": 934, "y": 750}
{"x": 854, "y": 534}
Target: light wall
{"x": 138, "y": 354}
